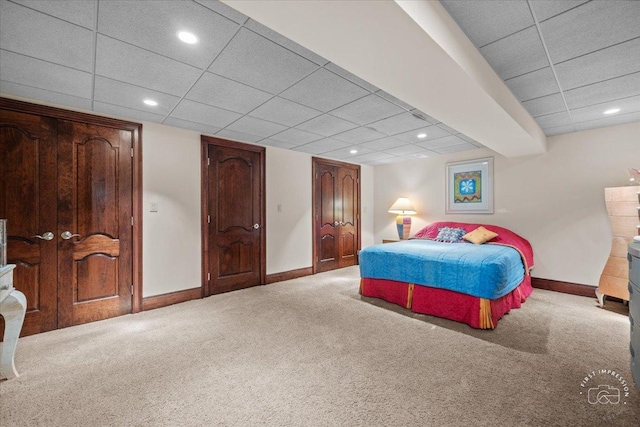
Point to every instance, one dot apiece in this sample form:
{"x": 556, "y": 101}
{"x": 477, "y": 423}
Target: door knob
{"x": 67, "y": 235}
{"x": 342, "y": 223}
{"x": 336, "y": 223}
{"x": 256, "y": 226}
{"x": 45, "y": 236}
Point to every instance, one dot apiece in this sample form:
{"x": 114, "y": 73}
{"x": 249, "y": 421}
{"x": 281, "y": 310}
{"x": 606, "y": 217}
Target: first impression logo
{"x": 605, "y": 387}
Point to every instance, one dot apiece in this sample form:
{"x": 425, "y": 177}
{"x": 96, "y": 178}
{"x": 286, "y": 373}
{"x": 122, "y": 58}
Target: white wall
{"x": 171, "y": 236}
{"x": 555, "y": 200}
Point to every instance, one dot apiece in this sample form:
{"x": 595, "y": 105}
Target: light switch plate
{"x": 153, "y": 207}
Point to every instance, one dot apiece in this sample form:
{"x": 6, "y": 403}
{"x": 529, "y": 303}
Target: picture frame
{"x": 469, "y": 187}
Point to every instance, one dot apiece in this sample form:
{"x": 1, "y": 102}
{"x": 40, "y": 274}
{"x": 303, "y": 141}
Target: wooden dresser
{"x": 623, "y": 206}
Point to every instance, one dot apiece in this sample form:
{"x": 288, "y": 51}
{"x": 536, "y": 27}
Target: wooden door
{"x": 336, "y": 195}
{"x": 28, "y": 152}
{"x": 234, "y": 199}
{"x": 94, "y": 222}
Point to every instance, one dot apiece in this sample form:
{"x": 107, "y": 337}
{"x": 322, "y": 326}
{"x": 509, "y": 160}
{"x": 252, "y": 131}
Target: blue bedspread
{"x": 485, "y": 271}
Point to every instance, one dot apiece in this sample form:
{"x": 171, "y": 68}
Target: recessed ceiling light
{"x": 187, "y": 37}
{"x": 353, "y": 151}
{"x": 150, "y": 102}
{"x": 612, "y": 111}
{"x": 422, "y": 135}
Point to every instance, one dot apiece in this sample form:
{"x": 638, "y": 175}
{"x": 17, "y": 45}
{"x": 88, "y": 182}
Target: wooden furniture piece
{"x": 390, "y": 240}
{"x": 624, "y": 209}
{"x": 13, "y": 306}
{"x": 634, "y": 309}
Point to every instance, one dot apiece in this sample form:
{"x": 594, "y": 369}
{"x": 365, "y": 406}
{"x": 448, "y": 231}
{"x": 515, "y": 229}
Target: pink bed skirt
{"x": 447, "y": 304}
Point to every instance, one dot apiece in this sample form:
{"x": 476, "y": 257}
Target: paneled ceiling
{"x": 566, "y": 61}
{"x": 245, "y": 82}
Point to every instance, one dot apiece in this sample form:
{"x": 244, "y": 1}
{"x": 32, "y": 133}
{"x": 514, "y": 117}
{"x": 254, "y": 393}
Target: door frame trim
{"x": 205, "y": 141}
{"x": 314, "y": 163}
{"x": 136, "y": 164}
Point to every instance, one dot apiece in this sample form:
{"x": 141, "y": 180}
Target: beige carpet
{"x": 311, "y": 352}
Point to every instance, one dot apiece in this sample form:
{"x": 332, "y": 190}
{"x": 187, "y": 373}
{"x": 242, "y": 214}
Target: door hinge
{"x": 208, "y": 161}
{"x": 358, "y": 181}
{"x": 208, "y": 219}
{"x": 131, "y": 289}
{"x": 208, "y": 277}
{"x": 131, "y": 151}
{"x": 132, "y": 221}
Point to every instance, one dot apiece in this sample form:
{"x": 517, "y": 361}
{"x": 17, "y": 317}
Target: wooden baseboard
{"x": 157, "y": 301}
{"x": 564, "y": 287}
{"x": 288, "y": 275}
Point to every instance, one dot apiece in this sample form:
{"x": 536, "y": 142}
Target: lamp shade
{"x": 402, "y": 206}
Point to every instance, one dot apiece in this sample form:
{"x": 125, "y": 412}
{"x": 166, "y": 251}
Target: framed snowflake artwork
{"x": 469, "y": 187}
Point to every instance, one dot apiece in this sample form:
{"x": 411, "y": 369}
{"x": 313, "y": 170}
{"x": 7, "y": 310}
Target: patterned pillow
{"x": 450, "y": 235}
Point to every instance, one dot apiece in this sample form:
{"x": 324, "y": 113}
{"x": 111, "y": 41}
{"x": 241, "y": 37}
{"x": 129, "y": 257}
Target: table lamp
{"x": 403, "y": 208}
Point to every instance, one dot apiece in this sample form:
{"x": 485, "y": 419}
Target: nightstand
{"x": 390, "y": 240}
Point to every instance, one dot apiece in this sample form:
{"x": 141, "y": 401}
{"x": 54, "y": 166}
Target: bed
{"x": 475, "y": 284}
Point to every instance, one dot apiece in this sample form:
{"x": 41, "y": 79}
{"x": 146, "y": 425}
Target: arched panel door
{"x": 233, "y": 198}
{"x": 336, "y": 211}
{"x": 28, "y": 152}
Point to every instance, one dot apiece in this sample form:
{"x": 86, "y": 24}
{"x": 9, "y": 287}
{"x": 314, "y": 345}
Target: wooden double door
{"x": 233, "y": 201}
{"x": 336, "y": 213}
{"x": 66, "y": 191}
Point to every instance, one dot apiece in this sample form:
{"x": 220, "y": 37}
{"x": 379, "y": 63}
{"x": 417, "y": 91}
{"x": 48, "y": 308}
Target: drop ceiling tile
{"x": 545, "y": 105}
{"x": 387, "y": 143}
{"x": 296, "y": 137}
{"x": 433, "y": 132}
{"x": 284, "y": 112}
{"x": 29, "y": 92}
{"x": 517, "y": 54}
{"x": 253, "y": 60}
{"x": 186, "y": 124}
{"x": 324, "y": 91}
{"x": 591, "y": 27}
{"x": 322, "y": 146}
{"x": 76, "y": 12}
{"x": 205, "y": 114}
{"x": 130, "y": 64}
{"x": 351, "y": 77}
{"x": 326, "y": 125}
{"x": 553, "y": 120}
{"x": 440, "y": 143}
{"x": 257, "y": 127}
{"x": 366, "y": 110}
{"x": 456, "y": 148}
{"x": 557, "y": 130}
{"x": 358, "y": 135}
{"x": 126, "y": 113}
{"x": 449, "y": 129}
{"x": 284, "y": 42}
{"x": 398, "y": 124}
{"x": 228, "y": 94}
{"x": 224, "y": 10}
{"x": 27, "y": 71}
{"x": 126, "y": 95}
{"x": 545, "y": 9}
{"x": 595, "y": 112}
{"x": 371, "y": 157}
{"x": 489, "y": 20}
{"x": 35, "y": 34}
{"x": 604, "y": 91}
{"x": 386, "y": 161}
{"x": 238, "y": 136}
{"x": 533, "y": 85}
{"x": 602, "y": 65}
{"x": 423, "y": 116}
{"x": 153, "y": 25}
{"x": 276, "y": 143}
{"x": 609, "y": 121}
{"x": 409, "y": 150}
{"x": 469, "y": 140}
{"x": 400, "y": 103}
{"x": 346, "y": 154}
